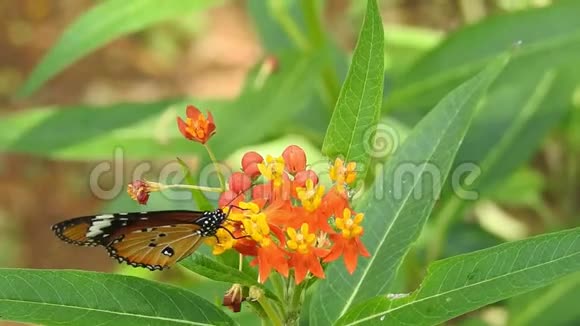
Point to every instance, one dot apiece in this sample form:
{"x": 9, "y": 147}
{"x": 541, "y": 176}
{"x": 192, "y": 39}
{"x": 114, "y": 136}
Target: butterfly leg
{"x": 233, "y": 236}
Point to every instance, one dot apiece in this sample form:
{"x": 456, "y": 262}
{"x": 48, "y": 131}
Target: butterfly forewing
{"x": 154, "y": 240}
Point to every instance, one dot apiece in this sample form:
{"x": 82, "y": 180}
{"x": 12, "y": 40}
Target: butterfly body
{"x": 154, "y": 240}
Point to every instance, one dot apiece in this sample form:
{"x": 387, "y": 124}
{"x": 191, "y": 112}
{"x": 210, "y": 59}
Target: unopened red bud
{"x": 229, "y": 198}
{"x": 294, "y": 159}
{"x": 250, "y": 164}
{"x": 239, "y": 182}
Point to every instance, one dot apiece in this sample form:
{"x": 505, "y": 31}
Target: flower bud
{"x": 295, "y": 159}
{"x": 229, "y": 197}
{"x": 250, "y": 164}
{"x": 239, "y": 182}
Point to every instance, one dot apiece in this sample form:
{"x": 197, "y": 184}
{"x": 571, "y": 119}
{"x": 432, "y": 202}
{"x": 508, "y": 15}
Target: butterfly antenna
{"x": 230, "y": 206}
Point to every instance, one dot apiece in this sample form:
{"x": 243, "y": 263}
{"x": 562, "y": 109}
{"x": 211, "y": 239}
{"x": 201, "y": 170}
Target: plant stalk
{"x": 217, "y": 167}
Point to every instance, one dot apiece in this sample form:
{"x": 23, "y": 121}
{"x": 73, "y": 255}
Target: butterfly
{"x": 154, "y": 240}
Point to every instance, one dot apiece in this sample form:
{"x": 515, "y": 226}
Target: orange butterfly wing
{"x": 156, "y": 248}
{"x": 155, "y": 240}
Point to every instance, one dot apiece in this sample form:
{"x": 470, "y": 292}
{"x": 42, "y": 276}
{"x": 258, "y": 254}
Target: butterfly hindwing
{"x": 154, "y": 240}
{"x": 156, "y": 248}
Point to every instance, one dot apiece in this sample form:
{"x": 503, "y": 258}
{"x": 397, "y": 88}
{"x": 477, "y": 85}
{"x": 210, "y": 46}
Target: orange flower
{"x": 196, "y": 126}
{"x": 348, "y": 244}
{"x": 341, "y": 174}
{"x": 139, "y": 190}
{"x": 334, "y": 202}
{"x": 305, "y": 256}
{"x": 268, "y": 255}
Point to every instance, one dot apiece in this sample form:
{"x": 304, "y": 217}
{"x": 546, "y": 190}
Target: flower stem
{"x": 294, "y": 301}
{"x": 217, "y": 166}
{"x": 180, "y": 186}
{"x": 280, "y": 290}
{"x": 270, "y": 312}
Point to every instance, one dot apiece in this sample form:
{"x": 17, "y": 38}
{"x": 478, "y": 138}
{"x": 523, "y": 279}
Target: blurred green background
{"x": 117, "y": 79}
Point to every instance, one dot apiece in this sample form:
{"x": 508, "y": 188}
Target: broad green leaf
{"x": 144, "y": 131}
{"x": 87, "y": 298}
{"x": 553, "y": 305}
{"x": 357, "y": 110}
{"x": 399, "y": 203}
{"x": 550, "y": 37}
{"x": 106, "y": 21}
{"x": 505, "y": 134}
{"x": 464, "y": 283}
{"x": 217, "y": 271}
{"x": 512, "y": 124}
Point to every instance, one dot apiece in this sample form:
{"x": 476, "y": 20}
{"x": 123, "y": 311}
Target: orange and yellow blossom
{"x": 196, "y": 126}
{"x": 347, "y": 244}
{"x": 223, "y": 239}
{"x": 268, "y": 253}
{"x": 273, "y": 169}
{"x": 342, "y": 174}
{"x": 305, "y": 255}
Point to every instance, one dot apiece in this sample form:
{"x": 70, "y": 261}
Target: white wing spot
{"x": 97, "y": 226}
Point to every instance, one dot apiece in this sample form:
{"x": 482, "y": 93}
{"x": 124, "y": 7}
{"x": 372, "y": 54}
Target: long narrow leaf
{"x": 400, "y": 202}
{"x": 464, "y": 283}
{"x": 103, "y": 23}
{"x": 87, "y": 298}
{"x": 357, "y": 111}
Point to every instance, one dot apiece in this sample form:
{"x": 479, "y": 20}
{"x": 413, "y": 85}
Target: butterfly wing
{"x": 158, "y": 247}
{"x": 154, "y": 240}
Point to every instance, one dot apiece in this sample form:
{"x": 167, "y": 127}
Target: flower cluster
{"x": 289, "y": 220}
{"x": 278, "y": 212}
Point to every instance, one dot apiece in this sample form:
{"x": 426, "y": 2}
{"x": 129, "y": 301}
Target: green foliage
{"x": 463, "y": 283}
{"x": 217, "y": 271}
{"x": 105, "y": 22}
{"x": 458, "y": 112}
{"x": 84, "y": 298}
{"x": 358, "y": 106}
{"x": 395, "y": 216}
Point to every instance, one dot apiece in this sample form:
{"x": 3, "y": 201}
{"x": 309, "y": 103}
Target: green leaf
{"x": 106, "y": 21}
{"x": 464, "y": 283}
{"x": 87, "y": 298}
{"x": 217, "y": 271}
{"x": 358, "y": 107}
{"x": 398, "y": 205}
{"x": 144, "y": 131}
{"x": 553, "y": 305}
{"x": 505, "y": 134}
{"x": 471, "y": 47}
